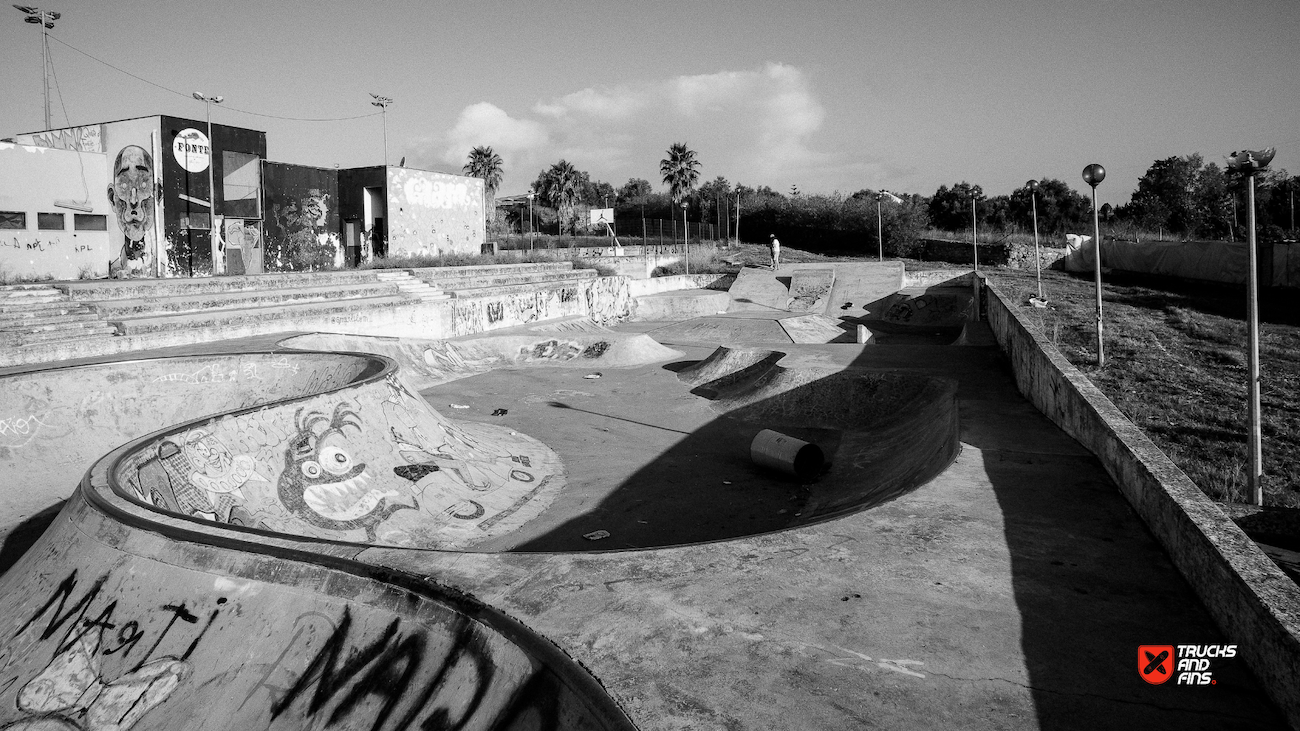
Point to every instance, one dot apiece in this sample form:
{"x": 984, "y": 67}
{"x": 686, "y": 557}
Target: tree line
{"x": 1178, "y": 197}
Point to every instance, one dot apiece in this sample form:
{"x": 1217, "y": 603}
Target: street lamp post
{"x": 880, "y": 229}
{"x": 45, "y": 19}
{"x": 686, "y": 237}
{"x": 1038, "y": 259}
{"x": 974, "y": 231}
{"x": 208, "y": 101}
{"x": 1093, "y": 175}
{"x": 530, "y": 220}
{"x": 382, "y": 102}
{"x": 1249, "y": 162}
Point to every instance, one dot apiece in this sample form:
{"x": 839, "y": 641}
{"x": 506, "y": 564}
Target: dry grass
{"x": 1176, "y": 366}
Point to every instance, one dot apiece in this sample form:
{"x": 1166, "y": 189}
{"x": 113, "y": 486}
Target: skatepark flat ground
{"x": 1010, "y": 591}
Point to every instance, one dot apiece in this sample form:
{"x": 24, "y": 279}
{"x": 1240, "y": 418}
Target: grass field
{"x": 1176, "y": 366}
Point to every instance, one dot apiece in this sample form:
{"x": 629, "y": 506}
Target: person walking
{"x": 774, "y": 244}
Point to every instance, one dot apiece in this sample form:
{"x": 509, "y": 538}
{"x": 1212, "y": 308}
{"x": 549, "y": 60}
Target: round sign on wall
{"x": 192, "y": 150}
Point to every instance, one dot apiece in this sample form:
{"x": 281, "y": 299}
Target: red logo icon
{"x": 1156, "y": 663}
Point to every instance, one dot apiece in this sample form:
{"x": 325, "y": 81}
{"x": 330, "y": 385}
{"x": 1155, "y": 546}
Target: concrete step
{"x": 412, "y": 287}
{"x": 107, "y": 289}
{"x": 35, "y": 319}
{"x": 40, "y": 309}
{"x": 507, "y": 280}
{"x": 112, "y": 309}
{"x": 231, "y": 317}
{"x": 500, "y": 289}
{"x": 89, "y": 330}
{"x": 25, "y": 297}
{"x": 493, "y": 269}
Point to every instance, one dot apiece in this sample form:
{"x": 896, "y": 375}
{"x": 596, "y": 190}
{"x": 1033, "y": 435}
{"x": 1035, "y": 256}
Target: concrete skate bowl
{"x": 166, "y": 595}
{"x": 914, "y": 316}
{"x": 888, "y": 433}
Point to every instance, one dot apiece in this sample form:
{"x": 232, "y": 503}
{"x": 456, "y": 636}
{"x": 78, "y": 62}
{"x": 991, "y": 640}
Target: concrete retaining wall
{"x": 1255, "y": 604}
{"x": 638, "y": 287}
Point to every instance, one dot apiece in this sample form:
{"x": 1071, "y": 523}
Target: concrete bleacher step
{"x": 507, "y": 280}
{"x": 240, "y": 299}
{"x": 500, "y": 289}
{"x": 244, "y": 316}
{"x": 83, "y": 331}
{"x": 111, "y": 289}
{"x": 22, "y": 295}
{"x": 413, "y": 287}
{"x": 51, "y": 312}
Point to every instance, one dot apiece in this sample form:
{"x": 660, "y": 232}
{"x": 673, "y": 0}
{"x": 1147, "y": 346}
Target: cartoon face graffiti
{"x": 316, "y": 208}
{"x": 133, "y": 194}
{"x": 323, "y": 484}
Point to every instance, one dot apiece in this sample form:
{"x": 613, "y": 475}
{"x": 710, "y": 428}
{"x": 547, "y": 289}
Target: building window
{"x": 89, "y": 222}
{"x": 13, "y": 219}
{"x": 241, "y": 179}
{"x": 49, "y": 222}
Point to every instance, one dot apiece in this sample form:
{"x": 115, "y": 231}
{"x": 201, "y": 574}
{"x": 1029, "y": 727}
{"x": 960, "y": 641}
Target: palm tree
{"x": 559, "y": 187}
{"x": 680, "y": 170}
{"x": 486, "y": 164}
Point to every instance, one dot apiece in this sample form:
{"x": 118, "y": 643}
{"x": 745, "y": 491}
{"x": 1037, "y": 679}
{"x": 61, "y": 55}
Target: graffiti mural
{"x": 434, "y": 213}
{"x": 378, "y": 467}
{"x": 133, "y": 194}
{"x": 302, "y": 220}
{"x": 89, "y": 138}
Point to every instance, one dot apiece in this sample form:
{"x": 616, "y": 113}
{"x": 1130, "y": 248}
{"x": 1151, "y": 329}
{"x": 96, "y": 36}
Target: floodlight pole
{"x": 1038, "y": 258}
{"x": 45, "y": 19}
{"x": 686, "y": 237}
{"x": 1093, "y": 175}
{"x": 974, "y": 233}
{"x": 530, "y": 220}
{"x": 880, "y": 230}
{"x": 208, "y": 101}
{"x": 382, "y": 102}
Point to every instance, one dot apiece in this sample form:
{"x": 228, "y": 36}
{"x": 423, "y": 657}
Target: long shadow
{"x": 1089, "y": 582}
{"x": 21, "y": 538}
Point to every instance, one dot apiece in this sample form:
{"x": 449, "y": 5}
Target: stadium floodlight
{"x": 44, "y": 18}
{"x": 382, "y": 102}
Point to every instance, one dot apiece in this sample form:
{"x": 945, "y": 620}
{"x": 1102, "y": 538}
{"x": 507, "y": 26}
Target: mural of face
{"x": 132, "y": 195}
{"x": 316, "y": 207}
{"x": 323, "y": 484}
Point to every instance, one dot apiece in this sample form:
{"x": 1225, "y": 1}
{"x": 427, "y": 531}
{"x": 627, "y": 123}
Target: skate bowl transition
{"x": 205, "y": 571}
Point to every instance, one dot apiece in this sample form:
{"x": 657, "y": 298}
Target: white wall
{"x": 31, "y": 180}
{"x": 434, "y": 213}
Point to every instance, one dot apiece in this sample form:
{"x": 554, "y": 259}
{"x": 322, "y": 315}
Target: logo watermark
{"x": 1184, "y": 664}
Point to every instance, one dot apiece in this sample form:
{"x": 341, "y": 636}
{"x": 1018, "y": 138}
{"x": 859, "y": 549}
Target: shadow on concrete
{"x": 1089, "y": 582}
{"x": 21, "y": 538}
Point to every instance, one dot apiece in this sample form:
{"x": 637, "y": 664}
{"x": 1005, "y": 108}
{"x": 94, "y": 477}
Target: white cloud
{"x": 754, "y": 126}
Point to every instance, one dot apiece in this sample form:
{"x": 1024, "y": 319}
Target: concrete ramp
{"x": 121, "y": 619}
{"x": 810, "y": 289}
{"x": 760, "y": 289}
{"x": 812, "y": 329}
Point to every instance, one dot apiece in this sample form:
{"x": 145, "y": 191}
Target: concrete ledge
{"x": 1254, "y": 603}
{"x": 678, "y": 305}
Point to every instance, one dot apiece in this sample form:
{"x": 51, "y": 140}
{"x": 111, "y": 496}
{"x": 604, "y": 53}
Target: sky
{"x": 825, "y": 95}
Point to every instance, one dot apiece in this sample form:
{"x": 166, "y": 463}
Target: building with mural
{"x": 160, "y": 197}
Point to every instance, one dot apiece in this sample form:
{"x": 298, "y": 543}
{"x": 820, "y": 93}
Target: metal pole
{"x": 738, "y": 215}
{"x": 880, "y": 230}
{"x": 383, "y": 118}
{"x": 212, "y": 185}
{"x": 1252, "y": 329}
{"x": 686, "y": 239}
{"x": 974, "y": 234}
{"x": 45, "y": 67}
{"x": 1096, "y": 265}
{"x": 1038, "y": 258}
